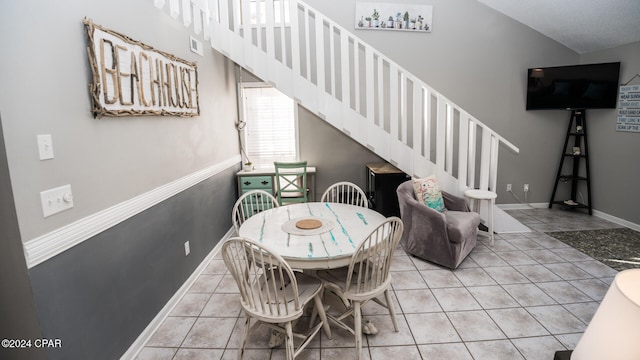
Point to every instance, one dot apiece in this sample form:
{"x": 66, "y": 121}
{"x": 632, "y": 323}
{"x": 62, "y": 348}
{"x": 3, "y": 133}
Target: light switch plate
{"x": 56, "y": 200}
{"x": 45, "y": 147}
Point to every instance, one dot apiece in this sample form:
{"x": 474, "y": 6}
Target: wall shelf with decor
{"x": 574, "y": 153}
{"x": 394, "y": 17}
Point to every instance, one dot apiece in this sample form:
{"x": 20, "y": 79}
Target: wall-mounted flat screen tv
{"x": 590, "y": 86}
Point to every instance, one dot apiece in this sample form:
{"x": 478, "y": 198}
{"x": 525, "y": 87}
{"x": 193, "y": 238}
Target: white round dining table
{"x": 335, "y": 232}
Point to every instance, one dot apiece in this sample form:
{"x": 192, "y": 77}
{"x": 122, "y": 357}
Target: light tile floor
{"x": 526, "y": 297}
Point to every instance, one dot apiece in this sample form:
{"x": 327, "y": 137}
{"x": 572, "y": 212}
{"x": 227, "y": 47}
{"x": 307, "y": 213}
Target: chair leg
{"x": 290, "y": 349}
{"x": 357, "y": 327}
{"x": 392, "y": 310}
{"x": 245, "y": 335}
{"x": 314, "y": 314}
{"x": 319, "y": 308}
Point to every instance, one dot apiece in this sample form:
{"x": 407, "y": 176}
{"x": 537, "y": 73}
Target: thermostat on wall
{"x": 196, "y": 46}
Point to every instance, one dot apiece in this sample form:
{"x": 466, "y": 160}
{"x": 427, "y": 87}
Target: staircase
{"x": 349, "y": 84}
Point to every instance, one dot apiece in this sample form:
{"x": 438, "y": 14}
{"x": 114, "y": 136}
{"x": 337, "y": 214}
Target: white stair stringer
{"x": 352, "y": 86}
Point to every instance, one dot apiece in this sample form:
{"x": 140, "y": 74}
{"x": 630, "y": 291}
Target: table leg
{"x": 477, "y": 203}
{"x": 477, "y": 196}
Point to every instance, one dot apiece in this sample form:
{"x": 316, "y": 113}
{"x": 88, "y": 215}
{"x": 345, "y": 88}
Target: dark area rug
{"x": 618, "y": 248}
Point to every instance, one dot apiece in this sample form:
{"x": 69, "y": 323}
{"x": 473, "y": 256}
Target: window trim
{"x": 242, "y": 117}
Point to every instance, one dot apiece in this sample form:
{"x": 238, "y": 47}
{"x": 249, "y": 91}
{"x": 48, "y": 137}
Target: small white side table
{"x": 477, "y": 196}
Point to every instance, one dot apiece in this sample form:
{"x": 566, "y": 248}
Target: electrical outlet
{"x": 187, "y": 249}
{"x": 526, "y": 187}
{"x": 508, "y": 187}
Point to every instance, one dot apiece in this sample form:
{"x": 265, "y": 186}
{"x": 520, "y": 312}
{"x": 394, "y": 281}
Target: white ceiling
{"x": 582, "y": 25}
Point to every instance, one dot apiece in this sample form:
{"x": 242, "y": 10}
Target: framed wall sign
{"x": 130, "y": 78}
{"x": 629, "y": 108}
{"x": 394, "y": 17}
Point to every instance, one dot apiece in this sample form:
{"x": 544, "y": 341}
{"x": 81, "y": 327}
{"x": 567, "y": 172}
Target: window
{"x": 271, "y": 129}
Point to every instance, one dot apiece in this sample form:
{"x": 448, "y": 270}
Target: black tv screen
{"x": 590, "y": 86}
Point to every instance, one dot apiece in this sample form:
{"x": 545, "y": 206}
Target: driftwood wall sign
{"x": 131, "y": 78}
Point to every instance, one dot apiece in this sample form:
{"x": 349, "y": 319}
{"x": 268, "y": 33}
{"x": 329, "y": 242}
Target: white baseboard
{"x": 522, "y": 206}
{"x": 148, "y": 332}
{"x": 600, "y": 214}
{"x": 47, "y": 246}
{"x": 616, "y": 220}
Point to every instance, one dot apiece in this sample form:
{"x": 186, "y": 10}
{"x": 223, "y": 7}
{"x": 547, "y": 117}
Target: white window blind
{"x": 271, "y": 128}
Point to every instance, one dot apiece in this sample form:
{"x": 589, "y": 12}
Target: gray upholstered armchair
{"x": 444, "y": 238}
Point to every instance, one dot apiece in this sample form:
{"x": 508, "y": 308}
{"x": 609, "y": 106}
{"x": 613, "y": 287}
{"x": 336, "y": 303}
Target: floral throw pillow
{"x": 428, "y": 192}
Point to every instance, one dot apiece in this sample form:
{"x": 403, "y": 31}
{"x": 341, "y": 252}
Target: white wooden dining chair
{"x": 346, "y": 193}
{"x": 366, "y": 278}
{"x": 249, "y": 204}
{"x": 272, "y": 293}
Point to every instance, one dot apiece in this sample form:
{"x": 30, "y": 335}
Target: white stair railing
{"x": 351, "y": 85}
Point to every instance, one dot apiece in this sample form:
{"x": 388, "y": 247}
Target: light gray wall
{"x": 613, "y": 154}
{"x": 98, "y": 296}
{"x": 17, "y": 307}
{"x": 478, "y": 58}
{"x": 44, "y": 90}
{"x": 335, "y": 155}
